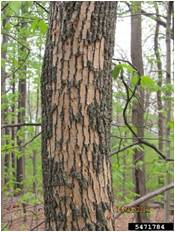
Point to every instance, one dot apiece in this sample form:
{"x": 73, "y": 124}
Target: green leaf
{"x": 116, "y": 71}
{"x": 8, "y": 26}
{"x": 134, "y": 80}
{"x": 119, "y": 67}
{"x": 168, "y": 88}
{"x": 34, "y": 25}
{"x": 40, "y": 25}
{"x": 15, "y": 6}
{"x": 171, "y": 124}
{"x": 149, "y": 84}
{"x": 43, "y": 26}
{"x": 128, "y": 68}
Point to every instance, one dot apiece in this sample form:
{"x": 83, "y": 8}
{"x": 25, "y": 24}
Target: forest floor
{"x": 14, "y": 217}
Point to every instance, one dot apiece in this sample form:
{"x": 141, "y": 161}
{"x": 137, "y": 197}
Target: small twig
{"x": 37, "y": 225}
{"x": 24, "y": 145}
{"x": 31, "y": 139}
{"x": 119, "y": 148}
{"x": 116, "y": 136}
{"x": 37, "y": 3}
{"x": 23, "y": 45}
{"x": 124, "y": 148}
{"x": 127, "y": 61}
{"x": 120, "y": 143}
{"x": 27, "y": 207}
{"x": 5, "y": 226}
{"x": 11, "y": 36}
{"x": 20, "y": 124}
{"x": 155, "y": 149}
{"x": 144, "y": 14}
{"x": 3, "y": 8}
{"x": 146, "y": 127}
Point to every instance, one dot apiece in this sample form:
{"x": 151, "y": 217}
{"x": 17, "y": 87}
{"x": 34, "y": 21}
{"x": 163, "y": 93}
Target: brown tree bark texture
{"x": 138, "y": 106}
{"x": 76, "y": 116}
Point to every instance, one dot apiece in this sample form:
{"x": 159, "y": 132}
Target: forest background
{"x": 24, "y": 28}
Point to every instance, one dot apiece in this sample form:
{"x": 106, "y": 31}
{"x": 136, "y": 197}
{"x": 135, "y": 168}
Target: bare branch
{"x": 147, "y": 197}
{"x": 37, "y": 3}
{"x": 24, "y": 145}
{"x": 3, "y": 8}
{"x": 152, "y": 16}
{"x": 158, "y": 20}
{"x": 37, "y": 225}
{"x": 119, "y": 137}
{"x": 124, "y": 148}
{"x": 20, "y": 124}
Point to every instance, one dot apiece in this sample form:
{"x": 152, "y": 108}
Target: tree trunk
{"x": 76, "y": 116}
{"x": 137, "y": 110}
{"x": 160, "y": 75}
{"x": 5, "y": 131}
{"x": 13, "y": 130}
{"x": 159, "y": 82}
{"x": 21, "y": 119}
{"x": 21, "y": 108}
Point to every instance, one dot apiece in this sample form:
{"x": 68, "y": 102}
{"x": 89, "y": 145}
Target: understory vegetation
{"x": 24, "y": 29}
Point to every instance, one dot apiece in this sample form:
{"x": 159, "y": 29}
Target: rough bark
{"x": 76, "y": 116}
{"x": 137, "y": 110}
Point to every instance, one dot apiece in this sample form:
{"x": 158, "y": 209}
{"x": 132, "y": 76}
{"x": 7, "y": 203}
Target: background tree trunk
{"x": 138, "y": 104}
{"x": 21, "y": 108}
{"x": 76, "y": 116}
{"x": 5, "y": 131}
{"x": 160, "y": 75}
{"x": 13, "y": 130}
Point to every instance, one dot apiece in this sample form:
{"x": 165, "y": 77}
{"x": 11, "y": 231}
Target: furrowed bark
{"x": 76, "y": 116}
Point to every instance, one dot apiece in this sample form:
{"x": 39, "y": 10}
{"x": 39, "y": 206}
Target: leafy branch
{"x": 128, "y": 100}
{"x": 28, "y": 142}
{"x": 23, "y": 45}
